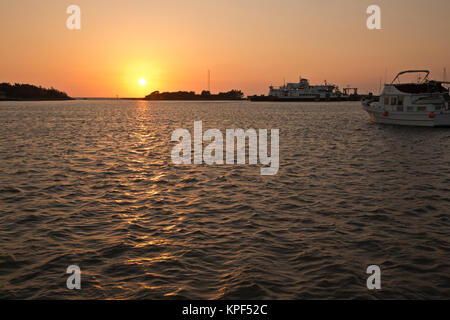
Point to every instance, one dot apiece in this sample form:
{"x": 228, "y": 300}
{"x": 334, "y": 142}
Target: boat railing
{"x": 437, "y": 97}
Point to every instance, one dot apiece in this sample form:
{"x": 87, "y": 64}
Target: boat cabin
{"x": 425, "y": 95}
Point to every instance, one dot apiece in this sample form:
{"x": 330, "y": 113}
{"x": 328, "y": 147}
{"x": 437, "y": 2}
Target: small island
{"x": 191, "y": 95}
{"x": 28, "y": 92}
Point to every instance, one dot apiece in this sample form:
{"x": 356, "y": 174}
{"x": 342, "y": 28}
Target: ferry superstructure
{"x": 303, "y": 91}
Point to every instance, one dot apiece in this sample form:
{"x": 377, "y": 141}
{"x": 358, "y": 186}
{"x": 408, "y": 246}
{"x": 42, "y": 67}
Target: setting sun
{"x": 142, "y": 82}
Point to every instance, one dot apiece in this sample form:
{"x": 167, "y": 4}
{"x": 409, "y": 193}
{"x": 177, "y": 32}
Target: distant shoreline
{"x": 206, "y": 95}
{"x": 116, "y": 99}
{"x": 181, "y": 99}
{"x": 173, "y": 99}
{"x": 28, "y": 92}
{"x": 14, "y": 99}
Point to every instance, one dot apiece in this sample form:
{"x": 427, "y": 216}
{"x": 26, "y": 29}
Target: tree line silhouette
{"x": 191, "y": 95}
{"x": 30, "y": 92}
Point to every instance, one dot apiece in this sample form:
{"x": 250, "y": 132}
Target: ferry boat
{"x": 303, "y": 91}
{"x": 424, "y": 103}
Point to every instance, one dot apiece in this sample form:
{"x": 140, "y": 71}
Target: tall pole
{"x": 209, "y": 80}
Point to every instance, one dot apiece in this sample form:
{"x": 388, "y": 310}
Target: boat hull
{"x": 441, "y": 119}
{"x": 303, "y": 99}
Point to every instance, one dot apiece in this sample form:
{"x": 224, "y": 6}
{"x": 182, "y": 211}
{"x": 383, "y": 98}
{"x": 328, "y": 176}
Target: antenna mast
{"x": 209, "y": 80}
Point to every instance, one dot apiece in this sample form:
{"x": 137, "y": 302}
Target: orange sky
{"x": 247, "y": 44}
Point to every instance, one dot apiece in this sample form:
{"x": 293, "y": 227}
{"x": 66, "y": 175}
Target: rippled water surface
{"x": 91, "y": 183}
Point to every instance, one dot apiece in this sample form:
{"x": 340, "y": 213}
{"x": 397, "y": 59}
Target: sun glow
{"x": 142, "y": 82}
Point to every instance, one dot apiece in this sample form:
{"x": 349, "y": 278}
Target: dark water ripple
{"x": 91, "y": 183}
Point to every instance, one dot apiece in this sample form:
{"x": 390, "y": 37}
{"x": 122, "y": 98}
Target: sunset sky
{"x": 247, "y": 44}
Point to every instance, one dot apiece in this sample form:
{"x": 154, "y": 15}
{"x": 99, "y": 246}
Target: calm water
{"x": 91, "y": 183}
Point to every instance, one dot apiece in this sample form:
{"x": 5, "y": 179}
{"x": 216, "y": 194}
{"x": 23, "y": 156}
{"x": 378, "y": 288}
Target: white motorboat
{"x": 424, "y": 103}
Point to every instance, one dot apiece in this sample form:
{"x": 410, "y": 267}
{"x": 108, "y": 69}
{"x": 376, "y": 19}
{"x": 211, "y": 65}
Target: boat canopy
{"x": 412, "y": 71}
{"x": 427, "y": 87}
